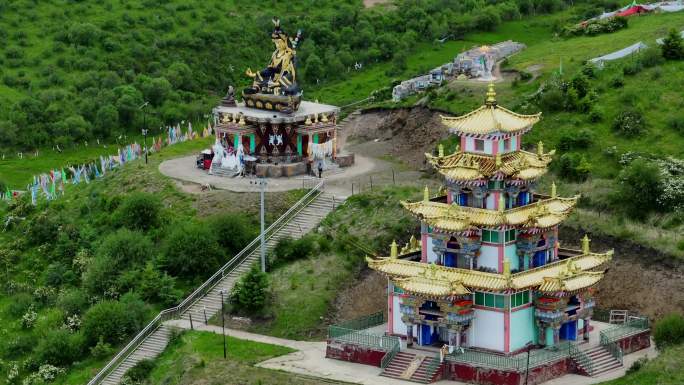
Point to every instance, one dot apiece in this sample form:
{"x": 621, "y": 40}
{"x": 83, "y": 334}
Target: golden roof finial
{"x": 426, "y": 194}
{"x": 440, "y": 150}
{"x": 553, "y": 189}
{"x": 242, "y": 120}
{"x": 585, "y": 244}
{"x": 491, "y": 95}
{"x": 308, "y": 120}
{"x": 315, "y": 118}
{"x": 324, "y": 118}
{"x": 540, "y": 148}
{"x": 394, "y": 252}
{"x": 498, "y": 160}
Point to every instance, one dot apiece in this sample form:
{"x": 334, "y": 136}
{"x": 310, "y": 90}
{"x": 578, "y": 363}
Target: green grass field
{"x": 666, "y": 369}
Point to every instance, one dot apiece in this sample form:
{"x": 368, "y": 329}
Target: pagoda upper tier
{"x": 453, "y": 218}
{"x": 490, "y": 119}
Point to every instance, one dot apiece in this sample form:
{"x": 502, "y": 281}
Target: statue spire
{"x": 491, "y": 95}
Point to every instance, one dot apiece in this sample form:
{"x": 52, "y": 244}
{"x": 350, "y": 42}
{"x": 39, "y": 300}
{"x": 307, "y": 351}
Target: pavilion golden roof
{"x": 431, "y": 287}
{"x": 465, "y": 166}
{"x": 453, "y": 218}
{"x": 565, "y": 275}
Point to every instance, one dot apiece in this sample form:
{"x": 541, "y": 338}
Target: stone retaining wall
{"x": 354, "y": 353}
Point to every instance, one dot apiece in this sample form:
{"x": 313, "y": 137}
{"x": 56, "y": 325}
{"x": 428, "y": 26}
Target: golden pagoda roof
{"x": 464, "y": 166}
{"x": 453, "y": 218}
{"x": 565, "y": 275}
{"x": 430, "y": 286}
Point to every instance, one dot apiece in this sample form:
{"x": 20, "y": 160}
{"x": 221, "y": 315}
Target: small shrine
{"x": 272, "y": 132}
{"x": 489, "y": 273}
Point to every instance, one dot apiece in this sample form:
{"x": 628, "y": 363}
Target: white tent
{"x": 634, "y": 48}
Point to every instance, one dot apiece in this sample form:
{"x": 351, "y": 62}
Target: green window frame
{"x": 491, "y": 236}
{"x": 520, "y": 298}
{"x": 495, "y": 184}
{"x": 509, "y": 235}
{"x": 489, "y": 300}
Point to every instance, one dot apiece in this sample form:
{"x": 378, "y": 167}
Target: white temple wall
{"x": 510, "y": 253}
{"x": 431, "y": 255}
{"x": 489, "y": 256}
{"x": 487, "y": 330}
{"x": 398, "y": 325}
{"x": 490, "y": 202}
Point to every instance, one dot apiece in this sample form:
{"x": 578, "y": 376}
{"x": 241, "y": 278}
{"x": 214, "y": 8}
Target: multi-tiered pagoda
{"x": 491, "y": 274}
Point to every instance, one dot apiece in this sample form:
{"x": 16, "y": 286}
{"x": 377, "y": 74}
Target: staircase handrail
{"x": 391, "y": 353}
{"x": 615, "y": 350}
{"x": 617, "y": 332}
{"x": 433, "y": 366}
{"x": 177, "y": 311}
{"x": 582, "y": 359}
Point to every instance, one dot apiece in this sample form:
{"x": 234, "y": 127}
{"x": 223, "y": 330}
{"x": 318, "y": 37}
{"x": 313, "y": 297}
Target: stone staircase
{"x": 410, "y": 367}
{"x": 157, "y": 335}
{"x": 301, "y": 224}
{"x": 602, "y": 361}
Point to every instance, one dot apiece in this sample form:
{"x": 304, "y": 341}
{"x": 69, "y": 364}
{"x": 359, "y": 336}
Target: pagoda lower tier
{"x": 433, "y": 304}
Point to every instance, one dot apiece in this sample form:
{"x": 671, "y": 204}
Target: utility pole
{"x": 262, "y": 185}
{"x": 223, "y": 325}
{"x": 144, "y": 130}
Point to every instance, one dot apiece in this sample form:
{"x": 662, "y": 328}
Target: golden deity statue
{"x": 276, "y": 85}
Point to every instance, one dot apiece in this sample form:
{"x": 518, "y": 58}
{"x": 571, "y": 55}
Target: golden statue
{"x": 277, "y": 83}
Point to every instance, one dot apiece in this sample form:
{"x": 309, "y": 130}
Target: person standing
{"x": 320, "y": 170}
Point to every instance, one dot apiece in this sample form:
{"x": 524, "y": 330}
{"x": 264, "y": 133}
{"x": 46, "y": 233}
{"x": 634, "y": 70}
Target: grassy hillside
{"x": 666, "y": 369}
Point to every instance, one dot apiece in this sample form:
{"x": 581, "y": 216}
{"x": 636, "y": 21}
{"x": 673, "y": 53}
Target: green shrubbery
{"x": 192, "y": 250}
{"x": 596, "y": 27}
{"x": 573, "y": 166}
{"x": 139, "y": 211}
{"x": 250, "y": 294}
{"x": 673, "y": 47}
{"x": 113, "y": 321}
{"x": 629, "y": 123}
{"x": 141, "y": 370}
{"x": 669, "y": 331}
{"x": 288, "y": 250}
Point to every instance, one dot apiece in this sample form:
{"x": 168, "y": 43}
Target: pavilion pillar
{"x": 409, "y": 334}
{"x": 586, "y": 329}
{"x": 541, "y": 331}
{"x": 556, "y": 335}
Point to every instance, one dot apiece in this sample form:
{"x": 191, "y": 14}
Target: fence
{"x": 176, "y": 312}
{"x": 518, "y": 362}
{"x": 582, "y": 359}
{"x": 358, "y": 337}
{"x": 615, "y": 333}
{"x": 366, "y": 322}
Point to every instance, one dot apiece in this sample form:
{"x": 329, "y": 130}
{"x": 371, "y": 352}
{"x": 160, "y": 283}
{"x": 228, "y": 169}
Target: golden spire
{"x": 491, "y": 95}
{"x": 553, "y": 189}
{"x": 540, "y": 148}
{"x": 440, "y": 150}
{"x": 585, "y": 244}
{"x": 426, "y": 194}
{"x": 394, "y": 252}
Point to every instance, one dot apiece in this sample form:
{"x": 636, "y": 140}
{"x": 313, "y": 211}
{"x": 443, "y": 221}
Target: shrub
{"x": 669, "y": 331}
{"x": 19, "y": 346}
{"x": 250, "y": 293}
{"x": 192, "y": 250}
{"x": 633, "y": 67}
{"x": 676, "y": 123}
{"x": 617, "y": 81}
{"x": 60, "y": 348}
{"x": 101, "y": 349}
{"x": 238, "y": 232}
{"x": 650, "y": 57}
{"x": 576, "y": 140}
{"x": 72, "y": 301}
{"x": 637, "y": 365}
{"x": 595, "y": 115}
{"x": 573, "y": 166}
{"x": 673, "y": 48}
{"x": 141, "y": 370}
{"x": 640, "y": 188}
{"x": 629, "y": 123}
{"x": 113, "y": 321}
{"x": 288, "y": 250}
{"x": 19, "y": 304}
{"x": 139, "y": 211}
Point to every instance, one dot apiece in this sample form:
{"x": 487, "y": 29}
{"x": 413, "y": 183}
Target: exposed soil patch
{"x": 405, "y": 134}
{"x": 366, "y": 295}
{"x": 638, "y": 279}
{"x": 371, "y": 3}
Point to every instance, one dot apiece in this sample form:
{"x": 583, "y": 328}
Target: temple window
{"x": 489, "y": 300}
{"x": 521, "y": 298}
{"x": 479, "y": 145}
{"x": 495, "y": 184}
{"x": 490, "y": 236}
{"x": 509, "y": 235}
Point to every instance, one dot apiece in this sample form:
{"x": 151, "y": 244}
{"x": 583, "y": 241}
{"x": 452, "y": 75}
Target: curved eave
{"x": 575, "y": 283}
{"x": 490, "y": 119}
{"x": 433, "y": 288}
{"x": 463, "y": 166}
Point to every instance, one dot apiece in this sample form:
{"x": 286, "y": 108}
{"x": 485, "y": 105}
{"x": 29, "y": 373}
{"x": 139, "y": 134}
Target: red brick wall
{"x": 354, "y": 353}
{"x": 486, "y": 376}
{"x": 636, "y": 342}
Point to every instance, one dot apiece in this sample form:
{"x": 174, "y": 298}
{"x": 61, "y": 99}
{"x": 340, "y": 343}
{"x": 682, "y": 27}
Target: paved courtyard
{"x": 309, "y": 359}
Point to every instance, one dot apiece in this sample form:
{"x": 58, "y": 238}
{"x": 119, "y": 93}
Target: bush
{"x": 238, "y": 230}
{"x": 629, "y": 123}
{"x": 141, "y": 370}
{"x": 650, "y": 57}
{"x": 73, "y": 301}
{"x": 576, "y": 140}
{"x": 139, "y": 211}
{"x": 101, "y": 349}
{"x": 640, "y": 188}
{"x": 673, "y": 48}
{"x": 617, "y": 81}
{"x": 573, "y": 166}
{"x": 595, "y": 115}
{"x": 633, "y": 67}
{"x": 669, "y": 331}
{"x": 19, "y": 346}
{"x": 676, "y": 123}
{"x": 192, "y": 250}
{"x": 60, "y": 348}
{"x": 113, "y": 321}
{"x": 19, "y": 304}
{"x": 250, "y": 293}
{"x": 288, "y": 250}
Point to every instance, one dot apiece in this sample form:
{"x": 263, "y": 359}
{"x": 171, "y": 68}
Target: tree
{"x": 241, "y": 232}
{"x": 60, "y": 348}
{"x": 673, "y": 48}
{"x": 191, "y": 250}
{"x": 106, "y": 120}
{"x": 313, "y": 69}
{"x": 179, "y": 75}
{"x": 139, "y": 211}
{"x": 640, "y": 186}
{"x": 84, "y": 34}
{"x": 250, "y": 293}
